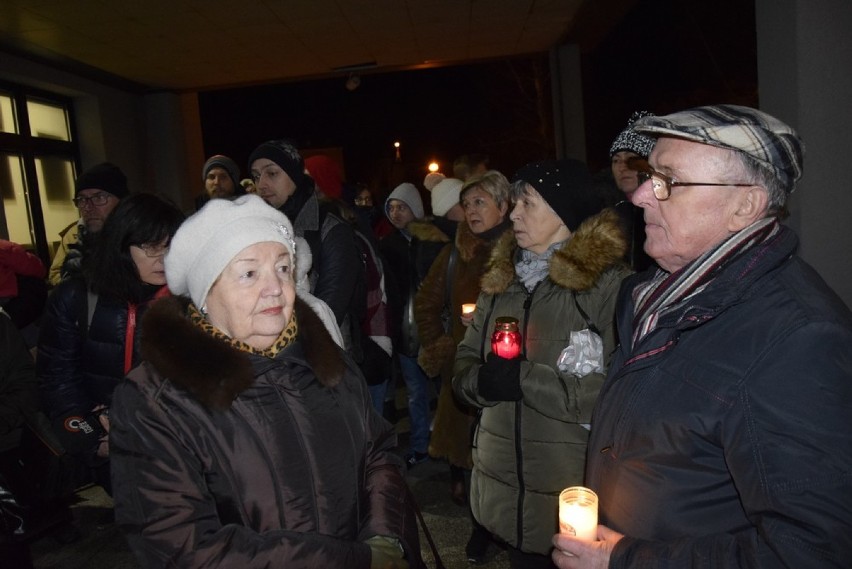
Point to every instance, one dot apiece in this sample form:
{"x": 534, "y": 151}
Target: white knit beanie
{"x": 445, "y": 195}
{"x": 406, "y": 192}
{"x": 432, "y": 179}
{"x": 207, "y": 241}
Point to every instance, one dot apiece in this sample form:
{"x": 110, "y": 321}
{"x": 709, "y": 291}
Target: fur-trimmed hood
{"x": 598, "y": 244}
{"x": 214, "y": 372}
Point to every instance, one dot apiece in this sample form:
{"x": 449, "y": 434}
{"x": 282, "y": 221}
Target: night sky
{"x": 666, "y": 55}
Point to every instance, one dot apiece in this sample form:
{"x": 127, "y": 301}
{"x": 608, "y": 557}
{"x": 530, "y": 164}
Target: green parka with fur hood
{"x": 525, "y": 452}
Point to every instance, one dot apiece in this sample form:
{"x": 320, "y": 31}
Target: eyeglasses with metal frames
{"x": 99, "y": 199}
{"x": 153, "y": 250}
{"x": 661, "y": 184}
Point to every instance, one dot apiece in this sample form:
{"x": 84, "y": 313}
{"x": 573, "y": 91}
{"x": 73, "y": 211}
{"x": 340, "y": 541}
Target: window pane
{"x": 56, "y": 181}
{"x": 48, "y": 120}
{"x": 15, "y": 206}
{"x": 7, "y": 115}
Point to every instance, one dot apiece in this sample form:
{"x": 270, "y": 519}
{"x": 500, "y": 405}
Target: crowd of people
{"x": 225, "y": 375}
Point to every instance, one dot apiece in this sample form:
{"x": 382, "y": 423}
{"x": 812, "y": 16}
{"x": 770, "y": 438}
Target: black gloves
{"x": 500, "y": 379}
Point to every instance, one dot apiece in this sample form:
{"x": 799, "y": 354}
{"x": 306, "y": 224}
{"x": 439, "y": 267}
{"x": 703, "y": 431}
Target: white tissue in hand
{"x": 584, "y": 355}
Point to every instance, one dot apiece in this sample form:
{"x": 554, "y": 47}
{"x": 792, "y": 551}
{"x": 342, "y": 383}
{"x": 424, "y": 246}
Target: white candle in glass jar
{"x": 578, "y": 513}
{"x": 468, "y": 308}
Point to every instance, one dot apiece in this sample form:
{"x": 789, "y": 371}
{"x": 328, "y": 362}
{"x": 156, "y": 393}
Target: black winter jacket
{"x": 723, "y": 438}
{"x": 226, "y": 459}
{"x": 80, "y": 363}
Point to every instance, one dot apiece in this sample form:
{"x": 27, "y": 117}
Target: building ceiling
{"x": 187, "y": 45}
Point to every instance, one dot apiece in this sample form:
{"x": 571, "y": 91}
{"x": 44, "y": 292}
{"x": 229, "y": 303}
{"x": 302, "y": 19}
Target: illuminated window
{"x": 38, "y": 157}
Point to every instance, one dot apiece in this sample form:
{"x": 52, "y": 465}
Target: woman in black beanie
{"x": 558, "y": 274}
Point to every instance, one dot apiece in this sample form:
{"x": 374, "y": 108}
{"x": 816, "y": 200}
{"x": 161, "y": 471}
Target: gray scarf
{"x": 532, "y": 268}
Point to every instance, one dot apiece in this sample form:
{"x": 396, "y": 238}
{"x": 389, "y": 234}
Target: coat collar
{"x": 598, "y": 244}
{"x": 214, "y": 372}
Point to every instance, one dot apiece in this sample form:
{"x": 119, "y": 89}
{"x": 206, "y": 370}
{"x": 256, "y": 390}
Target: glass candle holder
{"x": 468, "y": 308}
{"x": 506, "y": 339}
{"x": 578, "y": 513}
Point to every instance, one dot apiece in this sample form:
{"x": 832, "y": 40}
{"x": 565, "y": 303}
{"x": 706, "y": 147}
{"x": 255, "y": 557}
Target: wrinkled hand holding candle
{"x": 506, "y": 340}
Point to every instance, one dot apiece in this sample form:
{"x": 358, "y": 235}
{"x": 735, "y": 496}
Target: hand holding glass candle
{"x": 578, "y": 513}
{"x": 506, "y": 340}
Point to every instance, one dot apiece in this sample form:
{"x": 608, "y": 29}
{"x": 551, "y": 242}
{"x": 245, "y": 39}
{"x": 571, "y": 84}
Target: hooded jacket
{"x": 224, "y": 458}
{"x": 525, "y": 452}
{"x": 722, "y": 439}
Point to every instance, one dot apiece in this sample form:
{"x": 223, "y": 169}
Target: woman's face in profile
{"x": 536, "y": 225}
{"x": 252, "y": 300}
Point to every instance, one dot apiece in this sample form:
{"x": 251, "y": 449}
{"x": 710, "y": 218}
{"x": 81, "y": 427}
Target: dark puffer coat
{"x": 79, "y": 363}
{"x": 226, "y": 459}
{"x": 525, "y": 452}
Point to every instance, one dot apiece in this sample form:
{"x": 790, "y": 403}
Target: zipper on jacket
{"x": 519, "y": 454}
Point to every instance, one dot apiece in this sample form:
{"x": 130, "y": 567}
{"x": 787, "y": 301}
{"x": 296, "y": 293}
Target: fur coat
{"x": 451, "y": 428}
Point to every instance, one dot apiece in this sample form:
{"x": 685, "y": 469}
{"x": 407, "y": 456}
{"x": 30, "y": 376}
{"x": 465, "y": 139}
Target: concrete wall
{"x": 804, "y": 62}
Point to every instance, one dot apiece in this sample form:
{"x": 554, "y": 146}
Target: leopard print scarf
{"x": 287, "y": 336}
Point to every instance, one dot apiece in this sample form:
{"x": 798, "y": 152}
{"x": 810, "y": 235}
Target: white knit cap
{"x": 445, "y": 195}
{"x": 431, "y": 180}
{"x": 406, "y": 192}
{"x": 207, "y": 241}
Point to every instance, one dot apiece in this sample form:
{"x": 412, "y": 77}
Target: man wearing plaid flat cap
{"x": 721, "y": 436}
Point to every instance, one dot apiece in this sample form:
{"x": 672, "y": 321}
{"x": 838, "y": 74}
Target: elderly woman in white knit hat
{"x": 247, "y": 437}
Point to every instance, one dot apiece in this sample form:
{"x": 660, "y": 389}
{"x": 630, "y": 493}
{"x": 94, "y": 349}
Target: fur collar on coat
{"x": 214, "y": 372}
{"x": 425, "y": 230}
{"x": 597, "y": 245}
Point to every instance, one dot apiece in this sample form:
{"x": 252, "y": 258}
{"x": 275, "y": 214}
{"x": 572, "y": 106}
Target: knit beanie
{"x": 407, "y": 193}
{"x": 631, "y": 141}
{"x": 432, "y": 179}
{"x": 227, "y": 164}
{"x": 326, "y": 173}
{"x": 206, "y": 242}
{"x": 106, "y": 177}
{"x": 283, "y": 153}
{"x": 445, "y": 195}
{"x": 566, "y": 186}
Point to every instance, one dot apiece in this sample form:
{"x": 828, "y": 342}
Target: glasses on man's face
{"x": 153, "y": 250}
{"x": 660, "y": 183}
{"x": 98, "y": 199}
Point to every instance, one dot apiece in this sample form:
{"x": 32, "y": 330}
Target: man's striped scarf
{"x": 666, "y": 293}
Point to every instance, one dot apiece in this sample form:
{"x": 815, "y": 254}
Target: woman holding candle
{"x": 247, "y": 437}
{"x": 452, "y": 284}
{"x": 558, "y": 273}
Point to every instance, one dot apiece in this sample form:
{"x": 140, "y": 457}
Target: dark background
{"x": 665, "y": 55}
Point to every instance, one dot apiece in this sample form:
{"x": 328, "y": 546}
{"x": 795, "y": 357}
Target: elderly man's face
{"x": 695, "y": 218}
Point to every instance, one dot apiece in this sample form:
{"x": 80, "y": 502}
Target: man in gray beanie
{"x": 221, "y": 177}
{"x": 732, "y": 380}
{"x": 97, "y": 192}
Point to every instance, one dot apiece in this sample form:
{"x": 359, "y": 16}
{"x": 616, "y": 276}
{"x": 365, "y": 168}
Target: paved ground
{"x": 104, "y": 547}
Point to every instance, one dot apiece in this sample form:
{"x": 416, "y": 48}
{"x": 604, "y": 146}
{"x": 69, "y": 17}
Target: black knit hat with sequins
{"x": 631, "y": 141}
{"x": 566, "y": 186}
